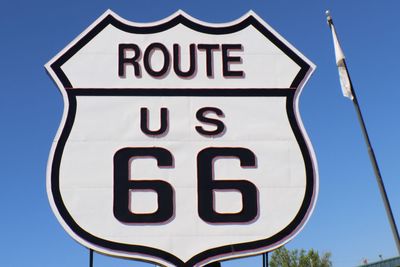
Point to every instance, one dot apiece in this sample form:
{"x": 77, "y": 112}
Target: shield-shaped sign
{"x": 181, "y": 141}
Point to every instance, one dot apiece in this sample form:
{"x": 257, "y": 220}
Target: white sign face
{"x": 181, "y": 141}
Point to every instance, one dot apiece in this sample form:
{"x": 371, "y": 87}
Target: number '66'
{"x": 165, "y": 193}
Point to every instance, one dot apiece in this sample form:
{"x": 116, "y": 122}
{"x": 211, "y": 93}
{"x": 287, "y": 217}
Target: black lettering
{"x": 206, "y": 185}
{"x": 200, "y": 115}
{"x": 209, "y": 48}
{"x": 177, "y": 61}
{"x": 227, "y": 60}
{"x": 147, "y": 59}
{"x": 144, "y": 122}
{"x": 123, "y": 60}
{"x": 123, "y": 185}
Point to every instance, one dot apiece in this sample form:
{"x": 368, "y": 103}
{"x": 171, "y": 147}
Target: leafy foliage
{"x": 282, "y": 257}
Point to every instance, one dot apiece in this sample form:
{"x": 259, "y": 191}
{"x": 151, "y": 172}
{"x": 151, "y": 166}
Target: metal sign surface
{"x": 181, "y": 141}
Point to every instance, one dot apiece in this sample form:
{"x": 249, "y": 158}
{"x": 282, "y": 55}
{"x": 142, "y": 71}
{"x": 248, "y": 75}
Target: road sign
{"x": 181, "y": 141}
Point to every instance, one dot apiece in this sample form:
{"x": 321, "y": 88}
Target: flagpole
{"x": 371, "y": 152}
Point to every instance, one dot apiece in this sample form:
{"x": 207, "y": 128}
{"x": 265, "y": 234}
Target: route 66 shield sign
{"x": 181, "y": 141}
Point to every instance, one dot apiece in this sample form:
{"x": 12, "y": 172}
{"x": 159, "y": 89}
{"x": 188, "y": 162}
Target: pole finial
{"x": 328, "y": 17}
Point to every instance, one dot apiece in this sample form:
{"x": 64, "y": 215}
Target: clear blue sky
{"x": 349, "y": 219}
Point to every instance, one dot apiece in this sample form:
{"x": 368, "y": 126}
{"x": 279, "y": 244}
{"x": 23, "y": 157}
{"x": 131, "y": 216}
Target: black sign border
{"x": 289, "y": 93}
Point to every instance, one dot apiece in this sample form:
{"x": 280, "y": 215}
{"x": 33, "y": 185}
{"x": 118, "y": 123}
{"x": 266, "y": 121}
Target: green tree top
{"x": 282, "y": 257}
